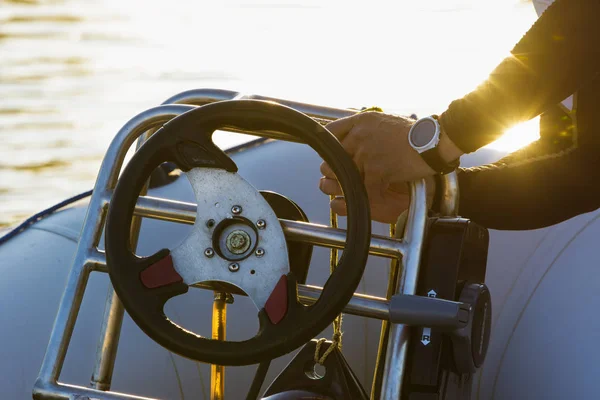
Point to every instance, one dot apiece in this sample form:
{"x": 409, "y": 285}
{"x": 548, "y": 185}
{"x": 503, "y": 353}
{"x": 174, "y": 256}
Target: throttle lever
{"x": 431, "y": 312}
{"x": 466, "y": 322}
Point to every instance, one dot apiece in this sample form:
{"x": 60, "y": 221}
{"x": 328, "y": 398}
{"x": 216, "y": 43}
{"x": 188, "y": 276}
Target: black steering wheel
{"x": 236, "y": 238}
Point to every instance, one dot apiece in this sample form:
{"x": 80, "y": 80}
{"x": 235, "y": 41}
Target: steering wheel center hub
{"x": 235, "y": 238}
{"x": 238, "y": 242}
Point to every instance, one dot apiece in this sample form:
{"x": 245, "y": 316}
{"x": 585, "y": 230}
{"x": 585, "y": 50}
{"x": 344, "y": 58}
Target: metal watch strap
{"x": 436, "y": 162}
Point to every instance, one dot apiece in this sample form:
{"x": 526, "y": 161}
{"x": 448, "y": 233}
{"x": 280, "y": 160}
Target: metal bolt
{"x": 261, "y": 224}
{"x": 236, "y": 209}
{"x": 234, "y": 267}
{"x": 209, "y": 252}
{"x": 226, "y": 297}
{"x": 238, "y": 242}
{"x": 259, "y": 252}
{"x": 210, "y": 223}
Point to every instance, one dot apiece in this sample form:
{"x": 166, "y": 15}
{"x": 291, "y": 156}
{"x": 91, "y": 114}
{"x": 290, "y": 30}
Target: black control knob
{"x": 470, "y": 343}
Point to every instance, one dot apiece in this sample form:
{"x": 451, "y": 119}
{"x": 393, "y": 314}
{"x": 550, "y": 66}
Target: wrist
{"x": 446, "y": 147}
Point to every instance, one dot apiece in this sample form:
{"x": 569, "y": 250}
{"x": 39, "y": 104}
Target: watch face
{"x": 422, "y": 133}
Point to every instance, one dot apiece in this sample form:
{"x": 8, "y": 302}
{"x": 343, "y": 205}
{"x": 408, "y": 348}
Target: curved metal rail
{"x": 88, "y": 257}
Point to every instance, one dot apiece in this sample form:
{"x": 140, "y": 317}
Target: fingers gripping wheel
{"x": 242, "y": 224}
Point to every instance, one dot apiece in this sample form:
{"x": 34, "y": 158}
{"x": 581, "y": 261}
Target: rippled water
{"x": 72, "y": 72}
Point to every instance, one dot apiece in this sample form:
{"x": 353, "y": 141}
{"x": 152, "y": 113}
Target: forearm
{"x": 533, "y": 195}
{"x": 558, "y": 54}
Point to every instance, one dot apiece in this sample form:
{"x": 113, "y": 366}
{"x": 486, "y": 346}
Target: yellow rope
{"x": 336, "y": 338}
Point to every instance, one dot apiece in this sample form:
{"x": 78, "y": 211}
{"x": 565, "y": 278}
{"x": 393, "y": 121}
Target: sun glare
{"x": 518, "y": 136}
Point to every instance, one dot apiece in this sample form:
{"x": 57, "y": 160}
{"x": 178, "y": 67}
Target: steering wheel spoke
{"x": 158, "y": 270}
{"x": 236, "y": 238}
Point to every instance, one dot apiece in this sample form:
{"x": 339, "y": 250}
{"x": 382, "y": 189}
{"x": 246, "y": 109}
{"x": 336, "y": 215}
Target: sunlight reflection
{"x": 518, "y": 136}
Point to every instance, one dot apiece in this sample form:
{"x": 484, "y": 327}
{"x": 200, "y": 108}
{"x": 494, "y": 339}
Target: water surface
{"x": 72, "y": 72}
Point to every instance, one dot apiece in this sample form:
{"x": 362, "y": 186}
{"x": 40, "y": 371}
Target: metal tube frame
{"x": 112, "y": 320}
{"x": 88, "y": 258}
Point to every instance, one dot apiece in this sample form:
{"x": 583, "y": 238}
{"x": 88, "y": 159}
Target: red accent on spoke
{"x": 161, "y": 273}
{"x": 276, "y": 306}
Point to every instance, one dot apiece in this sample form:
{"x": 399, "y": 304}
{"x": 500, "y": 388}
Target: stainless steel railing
{"x": 88, "y": 258}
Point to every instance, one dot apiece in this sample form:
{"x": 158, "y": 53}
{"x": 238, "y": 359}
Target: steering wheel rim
{"x": 186, "y": 141}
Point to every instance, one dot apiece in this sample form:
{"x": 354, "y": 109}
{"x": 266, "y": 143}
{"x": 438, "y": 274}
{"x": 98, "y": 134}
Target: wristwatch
{"x": 424, "y": 137}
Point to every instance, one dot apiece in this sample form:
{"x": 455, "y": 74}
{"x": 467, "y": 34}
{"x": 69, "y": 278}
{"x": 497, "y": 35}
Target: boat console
{"x": 246, "y": 242}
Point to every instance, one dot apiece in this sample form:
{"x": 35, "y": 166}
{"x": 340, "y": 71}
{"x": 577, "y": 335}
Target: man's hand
{"x": 378, "y": 144}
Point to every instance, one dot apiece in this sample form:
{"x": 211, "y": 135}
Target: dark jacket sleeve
{"x": 534, "y": 195}
{"x": 547, "y": 182}
{"x": 554, "y": 59}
